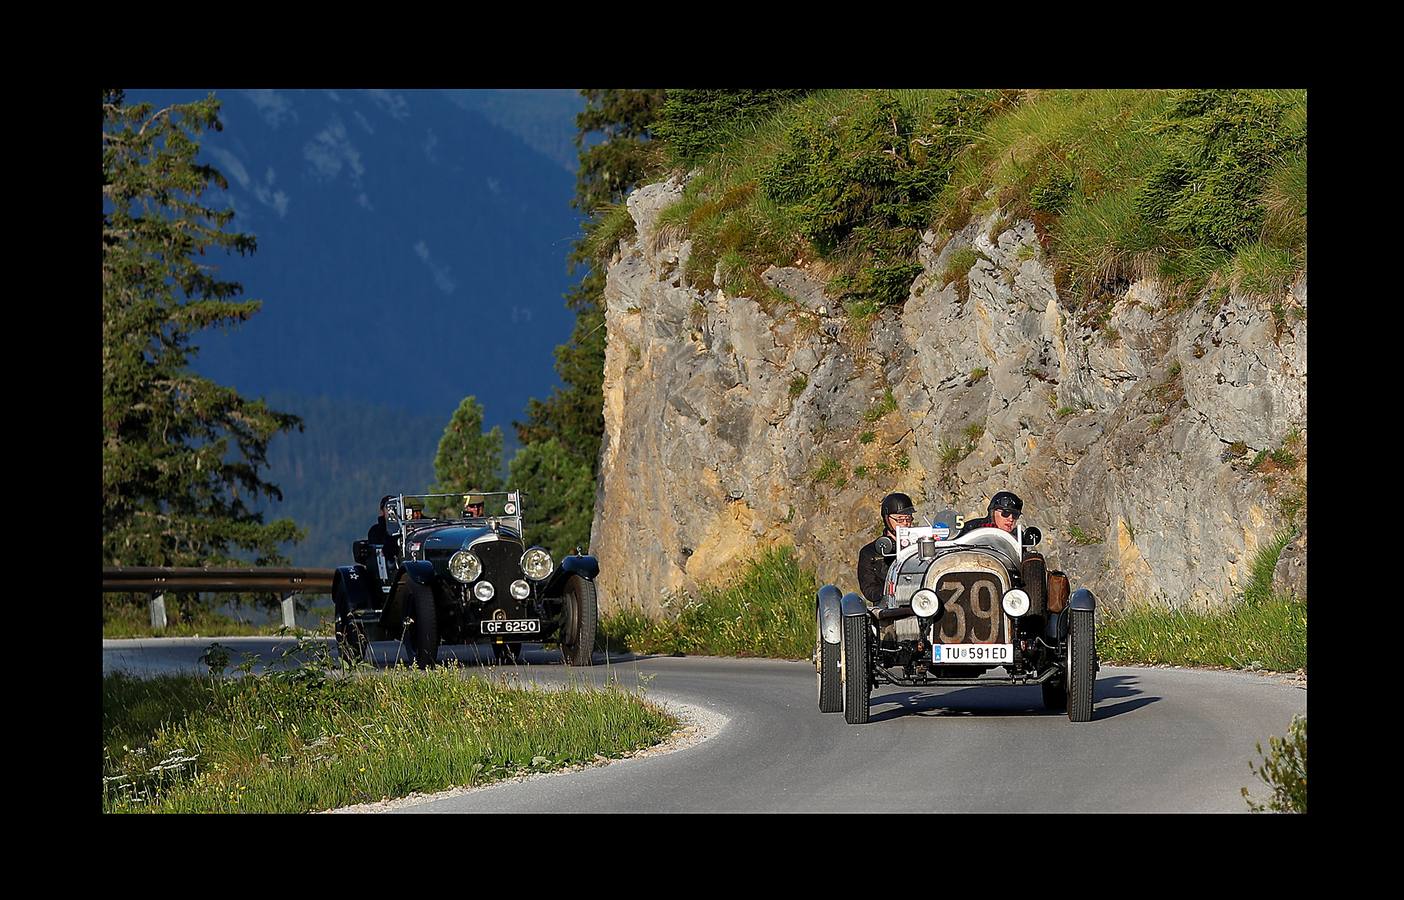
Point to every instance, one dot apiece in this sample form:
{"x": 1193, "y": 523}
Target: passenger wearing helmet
{"x": 380, "y": 534}
{"x": 897, "y": 510}
{"x": 1002, "y": 513}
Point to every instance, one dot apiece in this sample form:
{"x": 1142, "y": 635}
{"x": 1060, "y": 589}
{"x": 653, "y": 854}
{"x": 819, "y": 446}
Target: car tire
{"x": 1082, "y": 664}
{"x": 830, "y": 688}
{"x": 1055, "y": 695}
{"x": 856, "y": 684}
{"x": 422, "y": 635}
{"x": 583, "y": 612}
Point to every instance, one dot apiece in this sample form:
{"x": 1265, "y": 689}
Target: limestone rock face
{"x": 731, "y": 426}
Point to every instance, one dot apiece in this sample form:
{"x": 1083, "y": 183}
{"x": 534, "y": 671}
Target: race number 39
{"x": 973, "y": 614}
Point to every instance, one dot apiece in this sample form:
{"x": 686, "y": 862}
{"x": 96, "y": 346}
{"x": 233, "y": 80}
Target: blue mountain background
{"x": 411, "y": 251}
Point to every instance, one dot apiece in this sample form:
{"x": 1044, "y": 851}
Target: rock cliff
{"x": 1148, "y": 449}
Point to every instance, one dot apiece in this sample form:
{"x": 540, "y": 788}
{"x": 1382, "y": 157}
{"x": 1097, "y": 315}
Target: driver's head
{"x": 383, "y": 501}
{"x": 1005, "y": 509}
{"x": 473, "y": 505}
{"x": 897, "y": 510}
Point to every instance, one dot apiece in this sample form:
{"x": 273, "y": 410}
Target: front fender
{"x": 853, "y": 605}
{"x": 1082, "y": 599}
{"x": 587, "y": 567}
{"x": 421, "y": 571}
{"x": 829, "y": 602}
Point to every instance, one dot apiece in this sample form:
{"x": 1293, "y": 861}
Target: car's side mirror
{"x": 886, "y": 546}
{"x": 361, "y": 552}
{"x": 1032, "y": 536}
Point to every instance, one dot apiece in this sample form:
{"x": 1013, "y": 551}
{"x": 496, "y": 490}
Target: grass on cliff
{"x": 767, "y": 610}
{"x": 1262, "y": 630}
{"x": 312, "y": 739}
{"x": 1198, "y": 187}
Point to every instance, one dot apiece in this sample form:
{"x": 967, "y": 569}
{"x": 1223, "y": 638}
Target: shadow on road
{"x": 1002, "y": 700}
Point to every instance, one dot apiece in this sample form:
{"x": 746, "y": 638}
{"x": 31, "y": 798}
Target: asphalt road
{"x": 1161, "y": 740}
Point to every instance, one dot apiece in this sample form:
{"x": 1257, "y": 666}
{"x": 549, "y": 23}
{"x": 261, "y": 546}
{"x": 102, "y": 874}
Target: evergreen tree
{"x": 558, "y": 496}
{"x": 468, "y": 459}
{"x": 181, "y": 455}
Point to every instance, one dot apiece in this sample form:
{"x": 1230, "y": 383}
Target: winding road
{"x": 1161, "y": 740}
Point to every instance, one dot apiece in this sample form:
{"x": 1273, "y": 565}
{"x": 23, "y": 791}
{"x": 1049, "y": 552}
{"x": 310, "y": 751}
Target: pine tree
{"x": 558, "y": 496}
{"x": 468, "y": 459}
{"x": 181, "y": 455}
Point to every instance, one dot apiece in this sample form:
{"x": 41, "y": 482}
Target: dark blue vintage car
{"x": 457, "y": 571}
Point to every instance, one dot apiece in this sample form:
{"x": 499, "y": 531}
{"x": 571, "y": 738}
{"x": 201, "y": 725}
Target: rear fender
{"x": 829, "y": 602}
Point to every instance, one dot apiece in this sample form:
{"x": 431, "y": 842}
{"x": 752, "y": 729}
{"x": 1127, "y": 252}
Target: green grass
{"x": 123, "y": 620}
{"x": 608, "y": 226}
{"x": 887, "y": 404}
{"x": 767, "y": 611}
{"x": 310, "y": 740}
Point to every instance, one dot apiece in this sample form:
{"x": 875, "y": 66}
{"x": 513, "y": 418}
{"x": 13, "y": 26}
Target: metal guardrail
{"x": 158, "y": 580}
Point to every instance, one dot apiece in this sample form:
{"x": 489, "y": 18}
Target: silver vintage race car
{"x": 953, "y": 610}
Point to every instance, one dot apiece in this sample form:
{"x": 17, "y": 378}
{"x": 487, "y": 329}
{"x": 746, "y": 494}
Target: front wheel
{"x": 1082, "y": 664}
{"x": 830, "y": 689}
{"x": 857, "y": 684}
{"x": 582, "y": 618}
{"x": 422, "y": 633}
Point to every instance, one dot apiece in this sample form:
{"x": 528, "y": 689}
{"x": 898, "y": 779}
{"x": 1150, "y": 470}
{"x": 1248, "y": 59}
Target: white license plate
{"x": 511, "y": 626}
{"x": 973, "y": 653}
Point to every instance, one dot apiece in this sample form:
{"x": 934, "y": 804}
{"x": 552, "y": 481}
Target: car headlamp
{"x": 926, "y": 603}
{"x": 483, "y": 590}
{"x": 1016, "y": 602}
{"x": 520, "y": 589}
{"x": 465, "y": 566}
{"x": 536, "y": 564}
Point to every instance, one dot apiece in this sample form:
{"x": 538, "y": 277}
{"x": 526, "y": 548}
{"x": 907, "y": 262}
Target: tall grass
{"x": 302, "y": 741}
{"x": 767, "y": 610}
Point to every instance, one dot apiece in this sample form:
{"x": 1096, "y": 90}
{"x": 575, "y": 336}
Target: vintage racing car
{"x": 953, "y": 609}
{"x": 454, "y": 578}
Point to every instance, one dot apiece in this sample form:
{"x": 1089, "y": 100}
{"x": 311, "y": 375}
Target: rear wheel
{"x": 582, "y": 617}
{"x": 422, "y": 634}
{"x": 1082, "y": 664}
{"x": 830, "y": 689}
{"x": 857, "y": 685}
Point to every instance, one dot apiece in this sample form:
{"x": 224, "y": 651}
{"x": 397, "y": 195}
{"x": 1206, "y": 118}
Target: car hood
{"x": 454, "y": 536}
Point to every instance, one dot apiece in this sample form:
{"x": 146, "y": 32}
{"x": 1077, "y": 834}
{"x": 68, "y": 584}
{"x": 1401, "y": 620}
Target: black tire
{"x": 830, "y": 688}
{"x": 422, "y": 635}
{"x": 1082, "y": 664}
{"x": 1055, "y": 695}
{"x": 582, "y": 618}
{"x": 857, "y": 679}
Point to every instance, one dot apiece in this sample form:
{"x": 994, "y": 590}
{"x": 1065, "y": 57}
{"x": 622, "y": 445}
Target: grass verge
{"x": 127, "y": 621}
{"x": 313, "y": 739}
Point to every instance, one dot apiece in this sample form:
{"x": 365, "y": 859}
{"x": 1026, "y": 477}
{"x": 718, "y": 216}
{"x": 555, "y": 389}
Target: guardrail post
{"x": 290, "y": 609}
{"x": 158, "y": 611}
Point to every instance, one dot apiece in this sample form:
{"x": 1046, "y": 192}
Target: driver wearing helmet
{"x": 1003, "y": 512}
{"x": 473, "y": 506}
{"x": 380, "y": 534}
{"x": 897, "y": 510}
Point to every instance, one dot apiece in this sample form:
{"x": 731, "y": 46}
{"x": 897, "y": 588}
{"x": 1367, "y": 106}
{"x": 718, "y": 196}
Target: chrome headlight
{"x": 483, "y": 590}
{"x": 1016, "y": 602}
{"x": 925, "y": 602}
{"x": 536, "y": 564}
{"x": 465, "y": 566}
{"x": 520, "y": 589}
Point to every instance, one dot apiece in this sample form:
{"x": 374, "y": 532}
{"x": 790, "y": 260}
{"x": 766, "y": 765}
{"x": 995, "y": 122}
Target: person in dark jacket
{"x": 897, "y": 510}
{"x": 379, "y": 534}
{"x": 1003, "y": 512}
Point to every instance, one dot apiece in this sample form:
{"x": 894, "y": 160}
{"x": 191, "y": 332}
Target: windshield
{"x": 453, "y": 507}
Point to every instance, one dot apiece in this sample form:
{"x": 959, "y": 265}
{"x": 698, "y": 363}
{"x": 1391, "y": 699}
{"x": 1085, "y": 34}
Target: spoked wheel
{"x": 422, "y": 634}
{"x": 1082, "y": 664}
{"x": 581, "y": 619}
{"x": 857, "y": 679}
{"x": 830, "y": 687}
